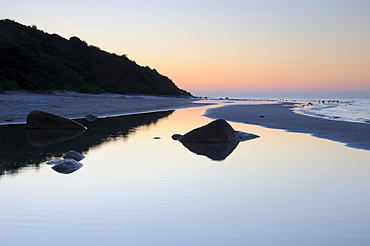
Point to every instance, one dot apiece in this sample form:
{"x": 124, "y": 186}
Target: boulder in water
{"x": 65, "y": 166}
{"x": 216, "y": 140}
{"x": 42, "y": 120}
{"x": 91, "y": 117}
{"x": 218, "y": 131}
{"x": 244, "y": 136}
{"x": 74, "y": 155}
{"x": 176, "y": 136}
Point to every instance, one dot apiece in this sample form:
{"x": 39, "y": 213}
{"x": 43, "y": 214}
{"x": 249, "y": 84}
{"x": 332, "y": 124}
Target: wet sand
{"x": 281, "y": 116}
{"x": 16, "y": 105}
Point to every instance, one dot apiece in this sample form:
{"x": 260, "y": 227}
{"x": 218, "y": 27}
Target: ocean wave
{"x": 349, "y": 109}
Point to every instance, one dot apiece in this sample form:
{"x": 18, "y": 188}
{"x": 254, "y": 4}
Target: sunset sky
{"x": 243, "y": 48}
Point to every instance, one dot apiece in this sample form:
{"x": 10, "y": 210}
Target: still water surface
{"x": 280, "y": 189}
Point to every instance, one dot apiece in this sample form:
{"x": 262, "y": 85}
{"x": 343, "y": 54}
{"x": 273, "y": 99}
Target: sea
{"x": 351, "y": 109}
{"x": 137, "y": 186}
{"x": 342, "y": 109}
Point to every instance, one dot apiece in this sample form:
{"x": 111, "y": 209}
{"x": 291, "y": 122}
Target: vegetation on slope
{"x": 35, "y": 61}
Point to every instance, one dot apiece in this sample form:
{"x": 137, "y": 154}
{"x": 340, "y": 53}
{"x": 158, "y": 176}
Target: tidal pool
{"x": 137, "y": 186}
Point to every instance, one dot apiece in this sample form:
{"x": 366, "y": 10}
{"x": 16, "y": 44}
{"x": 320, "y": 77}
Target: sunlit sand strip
{"x": 281, "y": 116}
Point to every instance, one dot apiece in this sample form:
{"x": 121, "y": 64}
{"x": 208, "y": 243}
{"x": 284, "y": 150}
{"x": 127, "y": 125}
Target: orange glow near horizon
{"x": 263, "y": 66}
{"x": 216, "y": 75}
{"x": 223, "y": 45}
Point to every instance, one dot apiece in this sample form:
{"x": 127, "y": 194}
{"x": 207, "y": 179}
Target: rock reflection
{"x": 44, "y": 137}
{"x": 214, "y": 151}
{"x": 20, "y": 148}
{"x": 216, "y": 140}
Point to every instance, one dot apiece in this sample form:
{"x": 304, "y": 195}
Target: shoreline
{"x": 281, "y": 116}
{"x": 16, "y": 105}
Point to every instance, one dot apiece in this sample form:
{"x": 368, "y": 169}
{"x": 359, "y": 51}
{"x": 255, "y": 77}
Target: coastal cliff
{"x": 35, "y": 61}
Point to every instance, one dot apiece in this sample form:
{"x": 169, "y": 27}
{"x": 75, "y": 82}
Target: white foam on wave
{"x": 349, "y": 109}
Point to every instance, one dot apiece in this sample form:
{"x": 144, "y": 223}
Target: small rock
{"x": 246, "y": 136}
{"x": 74, "y": 155}
{"x": 176, "y": 136}
{"x": 66, "y": 166}
{"x": 157, "y": 138}
{"x": 91, "y": 117}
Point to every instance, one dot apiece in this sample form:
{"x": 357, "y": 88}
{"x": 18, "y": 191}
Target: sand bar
{"x": 15, "y": 105}
{"x": 281, "y": 116}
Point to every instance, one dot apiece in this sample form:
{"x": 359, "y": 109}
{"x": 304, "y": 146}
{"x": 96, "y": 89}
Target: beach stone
{"x": 74, "y": 155}
{"x": 66, "y": 166}
{"x": 176, "y": 136}
{"x": 244, "y": 136}
{"x": 42, "y": 120}
{"x": 91, "y": 117}
{"x": 218, "y": 131}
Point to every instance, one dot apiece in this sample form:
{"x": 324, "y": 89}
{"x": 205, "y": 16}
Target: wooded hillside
{"x": 33, "y": 60}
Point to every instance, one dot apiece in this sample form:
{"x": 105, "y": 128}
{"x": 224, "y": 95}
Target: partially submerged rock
{"x": 218, "y": 131}
{"x": 65, "y": 166}
{"x": 42, "y": 120}
{"x": 244, "y": 136}
{"x": 74, "y": 155}
{"x": 91, "y": 117}
{"x": 176, "y": 136}
{"x": 216, "y": 140}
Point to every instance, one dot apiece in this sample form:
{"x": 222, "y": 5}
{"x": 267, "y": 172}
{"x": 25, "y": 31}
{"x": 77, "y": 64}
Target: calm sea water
{"x": 137, "y": 186}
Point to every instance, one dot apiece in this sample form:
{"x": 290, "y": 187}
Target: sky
{"x": 240, "y": 48}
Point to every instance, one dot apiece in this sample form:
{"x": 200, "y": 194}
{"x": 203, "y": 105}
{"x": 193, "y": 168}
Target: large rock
{"x": 42, "y": 120}
{"x": 218, "y": 131}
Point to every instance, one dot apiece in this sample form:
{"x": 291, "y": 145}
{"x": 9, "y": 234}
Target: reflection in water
{"x": 142, "y": 191}
{"x": 214, "y": 151}
{"x": 20, "y": 148}
{"x": 43, "y": 137}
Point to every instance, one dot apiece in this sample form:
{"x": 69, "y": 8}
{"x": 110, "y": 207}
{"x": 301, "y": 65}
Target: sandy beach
{"x": 281, "y": 116}
{"x": 15, "y": 105}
